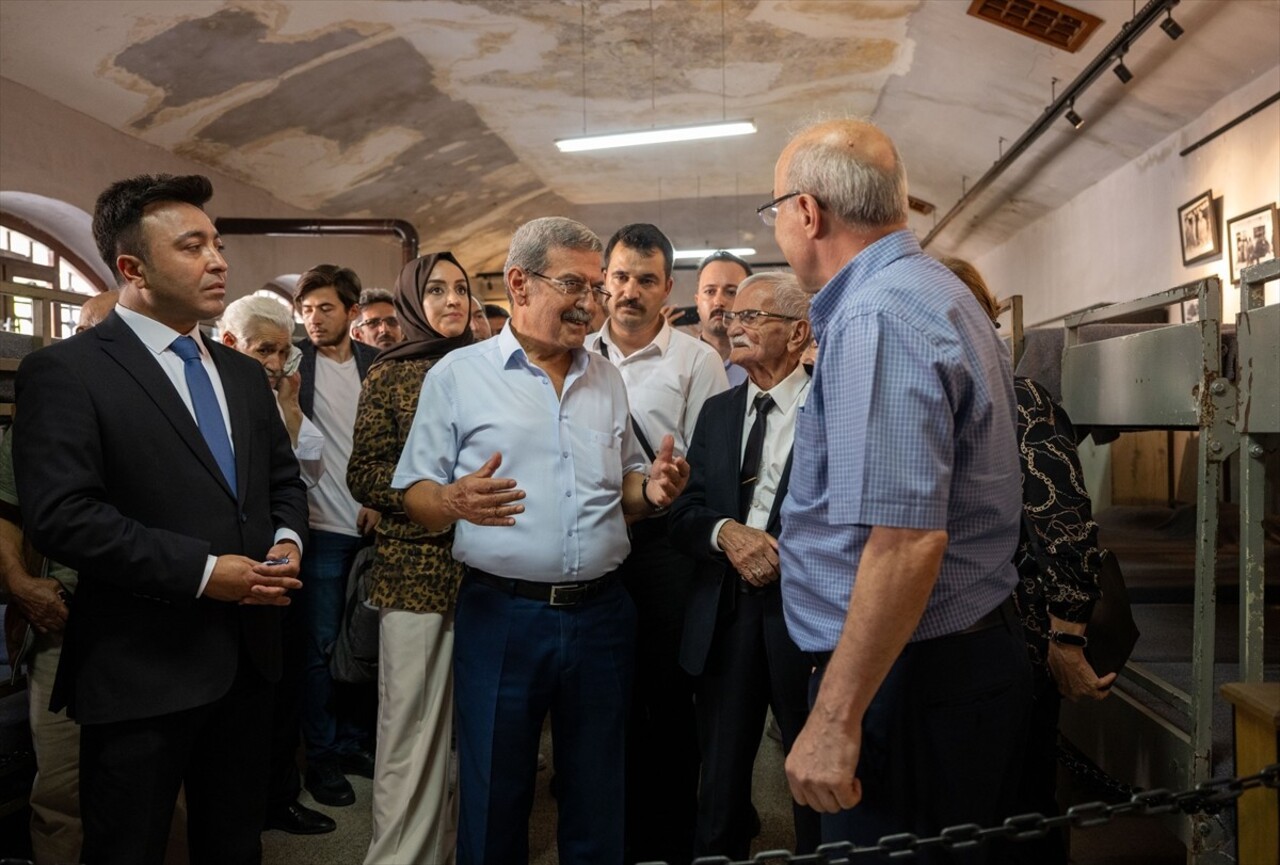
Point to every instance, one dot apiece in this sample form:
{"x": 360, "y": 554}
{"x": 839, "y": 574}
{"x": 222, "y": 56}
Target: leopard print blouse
{"x": 414, "y": 569}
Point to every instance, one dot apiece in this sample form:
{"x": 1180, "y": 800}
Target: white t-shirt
{"x": 334, "y": 413}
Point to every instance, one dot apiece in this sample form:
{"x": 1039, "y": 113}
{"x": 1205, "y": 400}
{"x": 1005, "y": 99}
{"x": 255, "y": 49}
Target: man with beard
{"x": 538, "y": 478}
{"x": 669, "y": 375}
{"x": 719, "y": 275}
{"x": 376, "y": 324}
{"x": 336, "y": 726}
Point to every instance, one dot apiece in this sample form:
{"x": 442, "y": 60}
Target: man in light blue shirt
{"x": 903, "y": 511}
{"x": 542, "y": 623}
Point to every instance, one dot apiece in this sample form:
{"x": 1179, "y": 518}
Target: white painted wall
{"x": 54, "y": 151}
{"x": 1118, "y": 239}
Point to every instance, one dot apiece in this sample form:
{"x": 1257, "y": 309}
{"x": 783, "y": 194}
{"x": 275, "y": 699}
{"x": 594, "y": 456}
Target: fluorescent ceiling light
{"x": 656, "y": 136}
{"x": 741, "y": 252}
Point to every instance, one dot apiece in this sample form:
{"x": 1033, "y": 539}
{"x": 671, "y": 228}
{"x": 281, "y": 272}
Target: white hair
{"x": 241, "y": 316}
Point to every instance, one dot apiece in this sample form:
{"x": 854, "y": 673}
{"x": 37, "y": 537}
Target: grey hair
{"x": 240, "y": 315}
{"x": 533, "y": 242}
{"x": 788, "y": 297}
{"x": 858, "y": 192}
{"x": 375, "y": 295}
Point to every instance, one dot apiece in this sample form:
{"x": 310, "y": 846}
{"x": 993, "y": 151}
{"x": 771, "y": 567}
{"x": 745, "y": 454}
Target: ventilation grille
{"x": 1045, "y": 21}
{"x": 919, "y": 205}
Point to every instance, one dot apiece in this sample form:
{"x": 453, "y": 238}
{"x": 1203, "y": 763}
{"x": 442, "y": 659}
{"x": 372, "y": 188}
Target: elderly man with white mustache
{"x": 735, "y": 639}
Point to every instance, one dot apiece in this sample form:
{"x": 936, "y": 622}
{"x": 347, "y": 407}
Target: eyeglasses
{"x": 768, "y": 213}
{"x": 574, "y": 287}
{"x": 749, "y": 317}
{"x": 375, "y": 323}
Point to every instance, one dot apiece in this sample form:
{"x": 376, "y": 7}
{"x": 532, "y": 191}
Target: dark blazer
{"x": 365, "y": 355}
{"x": 715, "y": 458}
{"x": 116, "y": 481}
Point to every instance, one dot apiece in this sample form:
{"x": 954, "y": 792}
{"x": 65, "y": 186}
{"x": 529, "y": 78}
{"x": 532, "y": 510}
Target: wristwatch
{"x": 1062, "y": 638}
{"x": 644, "y": 494}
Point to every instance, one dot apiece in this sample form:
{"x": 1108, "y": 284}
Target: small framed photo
{"x": 1198, "y": 228}
{"x": 1251, "y": 238}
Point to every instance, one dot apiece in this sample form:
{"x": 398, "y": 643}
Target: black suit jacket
{"x": 365, "y": 355}
{"x": 715, "y": 458}
{"x": 116, "y": 481}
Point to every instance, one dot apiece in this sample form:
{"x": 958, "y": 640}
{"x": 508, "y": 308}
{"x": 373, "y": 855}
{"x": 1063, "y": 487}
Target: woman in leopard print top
{"x": 414, "y": 577}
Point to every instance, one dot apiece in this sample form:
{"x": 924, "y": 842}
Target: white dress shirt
{"x": 158, "y": 338}
{"x": 568, "y": 454}
{"x": 779, "y": 435}
{"x": 667, "y": 382}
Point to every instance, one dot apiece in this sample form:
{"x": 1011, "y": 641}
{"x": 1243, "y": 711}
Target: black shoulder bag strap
{"x": 635, "y": 427}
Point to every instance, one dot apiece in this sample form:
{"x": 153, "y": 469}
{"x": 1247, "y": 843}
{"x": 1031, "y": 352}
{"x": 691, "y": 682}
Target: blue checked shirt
{"x": 568, "y": 454}
{"x": 910, "y": 423}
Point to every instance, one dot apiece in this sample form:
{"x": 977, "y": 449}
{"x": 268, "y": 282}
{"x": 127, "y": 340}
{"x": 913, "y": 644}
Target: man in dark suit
{"x": 735, "y": 640}
{"x": 154, "y": 462}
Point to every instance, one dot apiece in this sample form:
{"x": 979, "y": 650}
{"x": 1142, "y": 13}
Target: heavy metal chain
{"x": 1082, "y": 767}
{"x": 1209, "y": 797}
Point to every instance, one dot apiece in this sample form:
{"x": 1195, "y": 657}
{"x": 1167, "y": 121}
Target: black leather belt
{"x": 554, "y": 594}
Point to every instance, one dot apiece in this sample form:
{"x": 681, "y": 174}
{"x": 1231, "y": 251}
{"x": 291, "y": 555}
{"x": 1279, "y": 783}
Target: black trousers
{"x": 662, "y": 742}
{"x": 284, "y": 782}
{"x": 130, "y": 773}
{"x": 752, "y": 666}
{"x": 942, "y": 743}
{"x": 1038, "y": 790}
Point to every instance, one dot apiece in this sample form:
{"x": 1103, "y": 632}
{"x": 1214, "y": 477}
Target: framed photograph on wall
{"x": 1251, "y": 238}
{"x": 1198, "y": 229}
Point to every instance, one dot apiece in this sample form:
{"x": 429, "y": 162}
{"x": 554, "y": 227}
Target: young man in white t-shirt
{"x": 337, "y": 735}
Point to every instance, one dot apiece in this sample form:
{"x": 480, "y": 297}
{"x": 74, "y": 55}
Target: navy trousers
{"x": 516, "y": 660}
{"x": 942, "y": 743}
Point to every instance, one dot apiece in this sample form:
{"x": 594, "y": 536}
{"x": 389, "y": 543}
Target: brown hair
{"x": 968, "y": 274}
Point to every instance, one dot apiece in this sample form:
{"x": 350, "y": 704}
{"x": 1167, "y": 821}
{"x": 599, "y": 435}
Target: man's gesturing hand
{"x": 667, "y": 475}
{"x": 482, "y": 499}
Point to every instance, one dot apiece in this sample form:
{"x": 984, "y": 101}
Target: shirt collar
{"x": 787, "y": 394}
{"x": 155, "y": 335}
{"x": 891, "y": 247}
{"x": 660, "y": 343}
{"x": 512, "y": 353}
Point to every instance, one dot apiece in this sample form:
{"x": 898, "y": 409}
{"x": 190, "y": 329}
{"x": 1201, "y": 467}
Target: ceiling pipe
{"x": 1146, "y": 17}
{"x": 404, "y": 231}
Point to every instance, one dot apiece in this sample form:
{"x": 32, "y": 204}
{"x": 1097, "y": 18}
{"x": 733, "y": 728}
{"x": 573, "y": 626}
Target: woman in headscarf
{"x": 414, "y": 577}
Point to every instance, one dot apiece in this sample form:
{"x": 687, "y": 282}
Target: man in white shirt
{"x": 735, "y": 638}
{"x": 542, "y": 625}
{"x": 668, "y": 375}
{"x": 337, "y": 726}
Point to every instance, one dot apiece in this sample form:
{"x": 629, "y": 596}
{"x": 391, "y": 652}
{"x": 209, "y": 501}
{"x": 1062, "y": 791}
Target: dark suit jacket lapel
{"x": 121, "y": 344}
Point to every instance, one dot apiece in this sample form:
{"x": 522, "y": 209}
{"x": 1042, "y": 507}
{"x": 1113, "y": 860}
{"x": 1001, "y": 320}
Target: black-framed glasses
{"x": 749, "y": 317}
{"x": 768, "y": 213}
{"x": 375, "y": 323}
{"x": 574, "y": 287}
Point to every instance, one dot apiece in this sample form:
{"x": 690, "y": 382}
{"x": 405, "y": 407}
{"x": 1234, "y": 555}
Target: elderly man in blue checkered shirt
{"x": 903, "y": 511}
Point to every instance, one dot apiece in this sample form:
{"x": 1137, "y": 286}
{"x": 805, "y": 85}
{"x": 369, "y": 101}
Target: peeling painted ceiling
{"x": 444, "y": 112}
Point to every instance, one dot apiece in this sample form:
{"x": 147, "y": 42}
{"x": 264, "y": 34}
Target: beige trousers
{"x": 414, "y": 812}
{"x": 56, "y": 835}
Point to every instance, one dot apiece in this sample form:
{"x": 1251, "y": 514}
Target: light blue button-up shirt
{"x": 568, "y": 454}
{"x": 910, "y": 423}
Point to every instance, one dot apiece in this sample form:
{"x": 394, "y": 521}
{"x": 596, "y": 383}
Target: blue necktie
{"x": 205, "y": 402}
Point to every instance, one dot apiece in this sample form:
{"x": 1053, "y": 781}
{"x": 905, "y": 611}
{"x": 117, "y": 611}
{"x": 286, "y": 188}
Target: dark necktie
{"x": 751, "y": 456}
{"x": 205, "y": 403}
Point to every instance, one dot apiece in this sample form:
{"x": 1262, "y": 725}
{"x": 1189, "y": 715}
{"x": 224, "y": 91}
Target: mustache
{"x": 577, "y": 316}
{"x": 632, "y": 303}
{"x": 717, "y": 313}
{"x": 740, "y": 342}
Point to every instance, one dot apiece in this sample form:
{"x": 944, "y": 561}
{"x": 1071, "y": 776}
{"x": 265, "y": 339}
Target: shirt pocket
{"x": 597, "y": 464}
